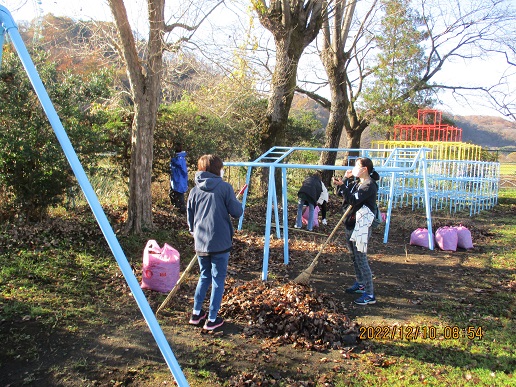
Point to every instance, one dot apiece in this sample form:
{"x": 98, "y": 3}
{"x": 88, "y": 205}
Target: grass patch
{"x": 60, "y": 287}
{"x": 507, "y": 169}
{"x": 486, "y": 302}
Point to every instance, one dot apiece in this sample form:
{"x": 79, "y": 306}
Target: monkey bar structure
{"x": 454, "y": 185}
{"x": 407, "y": 179}
{"x": 457, "y": 177}
{"x": 395, "y": 164}
{"x": 445, "y": 141}
{"x": 428, "y": 128}
{"x": 439, "y": 150}
{"x": 7, "y": 26}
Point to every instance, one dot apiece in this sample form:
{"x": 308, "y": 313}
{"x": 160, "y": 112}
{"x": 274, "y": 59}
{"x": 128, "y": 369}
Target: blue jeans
{"x": 299, "y": 219}
{"x": 213, "y": 270}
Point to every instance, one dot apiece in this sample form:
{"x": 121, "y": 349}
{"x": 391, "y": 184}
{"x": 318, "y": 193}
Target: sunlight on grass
{"x": 485, "y": 302}
{"x": 52, "y": 285}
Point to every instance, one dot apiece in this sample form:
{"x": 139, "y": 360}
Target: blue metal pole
{"x": 276, "y": 212}
{"x": 285, "y": 215}
{"x": 9, "y": 25}
{"x": 389, "y": 208}
{"x": 244, "y": 199}
{"x": 427, "y": 202}
{"x": 267, "y": 240}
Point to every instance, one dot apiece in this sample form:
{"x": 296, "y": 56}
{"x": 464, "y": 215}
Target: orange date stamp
{"x": 425, "y": 332}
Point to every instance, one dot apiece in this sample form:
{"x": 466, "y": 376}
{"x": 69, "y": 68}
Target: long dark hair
{"x": 368, "y": 163}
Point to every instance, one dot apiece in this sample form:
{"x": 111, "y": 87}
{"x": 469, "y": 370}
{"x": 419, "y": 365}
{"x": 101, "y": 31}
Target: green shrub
{"x": 33, "y": 167}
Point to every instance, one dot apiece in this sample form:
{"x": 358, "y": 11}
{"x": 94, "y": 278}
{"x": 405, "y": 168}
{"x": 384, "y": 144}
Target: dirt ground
{"x": 124, "y": 353}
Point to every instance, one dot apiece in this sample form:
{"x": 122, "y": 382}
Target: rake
{"x": 178, "y": 283}
{"x": 304, "y": 277}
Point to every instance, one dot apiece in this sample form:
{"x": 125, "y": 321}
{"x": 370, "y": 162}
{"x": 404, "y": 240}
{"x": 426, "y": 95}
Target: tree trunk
{"x": 282, "y": 94}
{"x": 354, "y": 127}
{"x": 139, "y": 207}
{"x": 333, "y": 134}
{"x": 280, "y": 101}
{"x": 145, "y": 80}
{"x": 294, "y": 25}
{"x": 338, "y": 108}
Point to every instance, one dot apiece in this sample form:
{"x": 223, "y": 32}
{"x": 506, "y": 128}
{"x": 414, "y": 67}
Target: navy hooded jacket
{"x": 210, "y": 204}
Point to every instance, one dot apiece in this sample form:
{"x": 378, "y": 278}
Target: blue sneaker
{"x": 365, "y": 299}
{"x": 356, "y": 288}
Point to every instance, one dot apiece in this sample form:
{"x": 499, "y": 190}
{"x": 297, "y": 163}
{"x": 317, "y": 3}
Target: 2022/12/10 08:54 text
{"x": 425, "y": 332}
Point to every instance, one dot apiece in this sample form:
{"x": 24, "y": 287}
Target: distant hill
{"x": 486, "y": 131}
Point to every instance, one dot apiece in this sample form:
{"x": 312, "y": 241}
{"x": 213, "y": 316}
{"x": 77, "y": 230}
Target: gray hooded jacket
{"x": 210, "y": 204}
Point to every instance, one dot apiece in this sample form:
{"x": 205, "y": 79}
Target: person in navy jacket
{"x": 211, "y": 205}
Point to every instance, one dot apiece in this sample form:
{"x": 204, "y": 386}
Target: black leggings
{"x": 323, "y": 209}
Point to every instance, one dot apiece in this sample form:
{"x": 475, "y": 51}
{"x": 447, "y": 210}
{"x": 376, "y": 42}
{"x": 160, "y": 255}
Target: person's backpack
{"x": 378, "y": 220}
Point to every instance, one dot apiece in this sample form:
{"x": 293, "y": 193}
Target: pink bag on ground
{"x": 419, "y": 237}
{"x": 446, "y": 238}
{"x": 306, "y": 214}
{"x": 464, "y": 240}
{"x": 160, "y": 269}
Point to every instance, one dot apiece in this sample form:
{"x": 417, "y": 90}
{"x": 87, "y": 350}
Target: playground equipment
{"x": 445, "y": 141}
{"x": 407, "y": 179}
{"x": 429, "y": 128}
{"x": 438, "y": 150}
{"x": 8, "y": 26}
{"x": 453, "y": 184}
{"x": 391, "y": 162}
{"x": 457, "y": 179}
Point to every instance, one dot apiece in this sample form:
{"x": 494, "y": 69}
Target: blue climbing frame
{"x": 8, "y": 26}
{"x": 394, "y": 162}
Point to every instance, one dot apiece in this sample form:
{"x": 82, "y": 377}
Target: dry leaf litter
{"x": 289, "y": 314}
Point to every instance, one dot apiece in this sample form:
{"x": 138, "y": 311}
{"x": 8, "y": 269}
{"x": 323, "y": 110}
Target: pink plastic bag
{"x": 160, "y": 269}
{"x": 419, "y": 237}
{"x": 316, "y": 216}
{"x": 446, "y": 238}
{"x": 464, "y": 240}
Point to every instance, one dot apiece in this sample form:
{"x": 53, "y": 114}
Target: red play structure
{"x": 428, "y": 128}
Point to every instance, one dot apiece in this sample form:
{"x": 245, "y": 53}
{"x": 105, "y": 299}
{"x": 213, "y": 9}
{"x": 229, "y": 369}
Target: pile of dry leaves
{"x": 288, "y": 314}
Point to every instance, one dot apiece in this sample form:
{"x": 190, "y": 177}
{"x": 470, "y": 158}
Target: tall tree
{"x": 144, "y": 70}
{"x": 294, "y": 25}
{"x": 336, "y": 59}
{"x": 462, "y": 30}
{"x": 391, "y": 97}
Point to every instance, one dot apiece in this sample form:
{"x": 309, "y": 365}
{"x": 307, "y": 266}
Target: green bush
{"x": 33, "y": 167}
{"x": 200, "y": 132}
